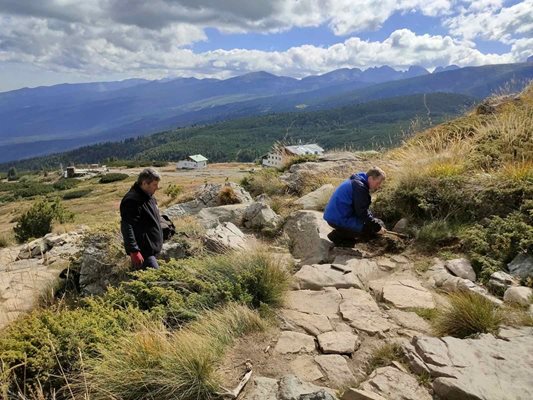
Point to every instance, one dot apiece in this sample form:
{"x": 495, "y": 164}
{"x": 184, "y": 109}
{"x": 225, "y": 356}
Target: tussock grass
{"x": 384, "y": 356}
{"x": 227, "y": 196}
{"x": 468, "y": 314}
{"x": 311, "y": 182}
{"x": 153, "y": 363}
{"x": 264, "y": 181}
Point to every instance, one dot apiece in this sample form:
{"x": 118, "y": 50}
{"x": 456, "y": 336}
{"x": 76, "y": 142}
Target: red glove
{"x": 137, "y": 259}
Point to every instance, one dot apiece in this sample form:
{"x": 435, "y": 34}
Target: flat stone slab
{"x": 319, "y": 276}
{"x": 394, "y": 384}
{"x": 405, "y": 293}
{"x": 292, "y": 388}
{"x": 365, "y": 270}
{"x": 336, "y": 369}
{"x": 295, "y": 342}
{"x": 324, "y": 302}
{"x": 483, "y": 368}
{"x": 314, "y": 324}
{"x": 362, "y": 312}
{"x": 338, "y": 342}
{"x": 359, "y": 394}
{"x": 305, "y": 368}
{"x": 262, "y": 389}
{"x": 410, "y": 320}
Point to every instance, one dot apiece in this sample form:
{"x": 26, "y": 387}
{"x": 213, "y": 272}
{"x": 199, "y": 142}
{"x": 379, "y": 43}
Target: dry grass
{"x": 311, "y": 182}
{"x": 384, "y": 356}
{"x": 468, "y": 314}
{"x": 153, "y": 363}
{"x": 227, "y": 196}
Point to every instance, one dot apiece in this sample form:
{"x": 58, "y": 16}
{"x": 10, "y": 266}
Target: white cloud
{"x": 487, "y": 19}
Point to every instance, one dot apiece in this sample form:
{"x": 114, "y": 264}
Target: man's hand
{"x": 137, "y": 259}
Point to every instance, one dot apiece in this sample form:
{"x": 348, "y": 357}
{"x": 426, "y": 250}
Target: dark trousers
{"x": 150, "y": 262}
{"x": 343, "y": 237}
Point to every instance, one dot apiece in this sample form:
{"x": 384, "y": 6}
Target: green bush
{"x": 181, "y": 289}
{"x": 12, "y": 174}
{"x": 66, "y": 183}
{"x": 46, "y": 344}
{"x": 173, "y": 191}
{"x": 493, "y": 245}
{"x": 435, "y": 234}
{"x": 37, "y": 221}
{"x": 113, "y": 177}
{"x": 30, "y": 189}
{"x": 76, "y": 194}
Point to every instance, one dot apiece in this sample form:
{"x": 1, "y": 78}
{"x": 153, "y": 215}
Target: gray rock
{"x": 394, "y": 384}
{"x": 407, "y": 293}
{"x": 365, "y": 270}
{"x": 292, "y": 388}
{"x": 319, "y": 276}
{"x": 305, "y": 368}
{"x": 314, "y": 324}
{"x": 336, "y": 369}
{"x": 174, "y": 250}
{"x": 307, "y": 232}
{"x": 322, "y": 302}
{"x": 401, "y": 226}
{"x": 34, "y": 249}
{"x": 206, "y": 196}
{"x": 259, "y": 215}
{"x": 294, "y": 342}
{"x": 481, "y": 369}
{"x": 410, "y": 320}
{"x": 518, "y": 295}
{"x": 225, "y": 237}
{"x": 338, "y": 342}
{"x": 499, "y": 282}
{"x": 462, "y": 268}
{"x": 262, "y": 389}
{"x": 317, "y": 199}
{"x": 522, "y": 266}
{"x": 212, "y": 216}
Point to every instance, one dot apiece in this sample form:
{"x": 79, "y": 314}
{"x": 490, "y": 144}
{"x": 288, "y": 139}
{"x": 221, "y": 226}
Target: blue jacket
{"x": 348, "y": 206}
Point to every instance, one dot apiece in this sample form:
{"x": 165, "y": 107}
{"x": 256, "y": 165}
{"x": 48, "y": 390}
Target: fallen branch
{"x": 233, "y": 394}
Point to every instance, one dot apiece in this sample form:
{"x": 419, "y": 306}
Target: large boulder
{"x": 500, "y": 281}
{"x": 208, "y": 196}
{"x": 225, "y": 237}
{"x": 462, "y": 268}
{"x": 522, "y": 266}
{"x": 394, "y": 384}
{"x": 519, "y": 295}
{"x": 317, "y": 199}
{"x": 259, "y": 215}
{"x": 212, "y": 216}
{"x": 483, "y": 368}
{"x": 308, "y": 233}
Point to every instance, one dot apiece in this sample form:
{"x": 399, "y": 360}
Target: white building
{"x": 280, "y": 155}
{"x": 196, "y": 161}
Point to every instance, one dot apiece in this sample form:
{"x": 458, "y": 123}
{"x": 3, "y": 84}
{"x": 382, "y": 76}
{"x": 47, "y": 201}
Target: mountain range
{"x": 52, "y": 119}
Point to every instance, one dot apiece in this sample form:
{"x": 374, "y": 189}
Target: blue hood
{"x": 360, "y": 176}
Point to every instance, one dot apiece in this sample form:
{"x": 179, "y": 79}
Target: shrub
{"x": 65, "y": 184}
{"x": 173, "y": 191}
{"x": 435, "y": 234}
{"x": 468, "y": 314}
{"x": 151, "y": 363}
{"x": 384, "y": 356}
{"x": 37, "y": 221}
{"x": 264, "y": 181}
{"x": 76, "y": 194}
{"x": 181, "y": 289}
{"x": 495, "y": 244}
{"x": 227, "y": 196}
{"x": 12, "y": 174}
{"x": 46, "y": 344}
{"x": 30, "y": 189}
{"x": 113, "y": 177}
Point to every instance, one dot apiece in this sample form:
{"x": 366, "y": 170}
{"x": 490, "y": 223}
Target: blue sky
{"x": 54, "y": 41}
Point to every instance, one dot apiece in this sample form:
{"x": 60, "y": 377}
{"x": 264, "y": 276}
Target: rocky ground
{"x": 343, "y": 305}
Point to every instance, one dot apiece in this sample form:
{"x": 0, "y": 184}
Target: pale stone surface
{"x": 314, "y": 324}
{"x": 366, "y": 270}
{"x": 362, "y": 312}
{"x": 292, "y": 388}
{"x": 325, "y": 302}
{"x": 317, "y": 199}
{"x": 519, "y": 295}
{"x": 259, "y": 215}
{"x": 206, "y": 196}
{"x": 359, "y": 394}
{"x": 305, "y": 368}
{"x": 406, "y": 294}
{"x": 462, "y": 268}
{"x": 483, "y": 368}
{"x": 318, "y": 276}
{"x": 224, "y": 237}
{"x": 213, "y": 216}
{"x": 394, "y": 384}
{"x": 338, "y": 342}
{"x": 307, "y": 232}
{"x": 336, "y": 369}
{"x": 500, "y": 281}
{"x": 262, "y": 389}
{"x": 295, "y": 342}
{"x": 410, "y": 320}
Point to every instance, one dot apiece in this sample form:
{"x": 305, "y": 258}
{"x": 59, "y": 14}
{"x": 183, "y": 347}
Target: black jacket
{"x": 140, "y": 224}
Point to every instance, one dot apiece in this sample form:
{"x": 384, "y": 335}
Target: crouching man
{"x": 140, "y": 221}
{"x": 347, "y": 211}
